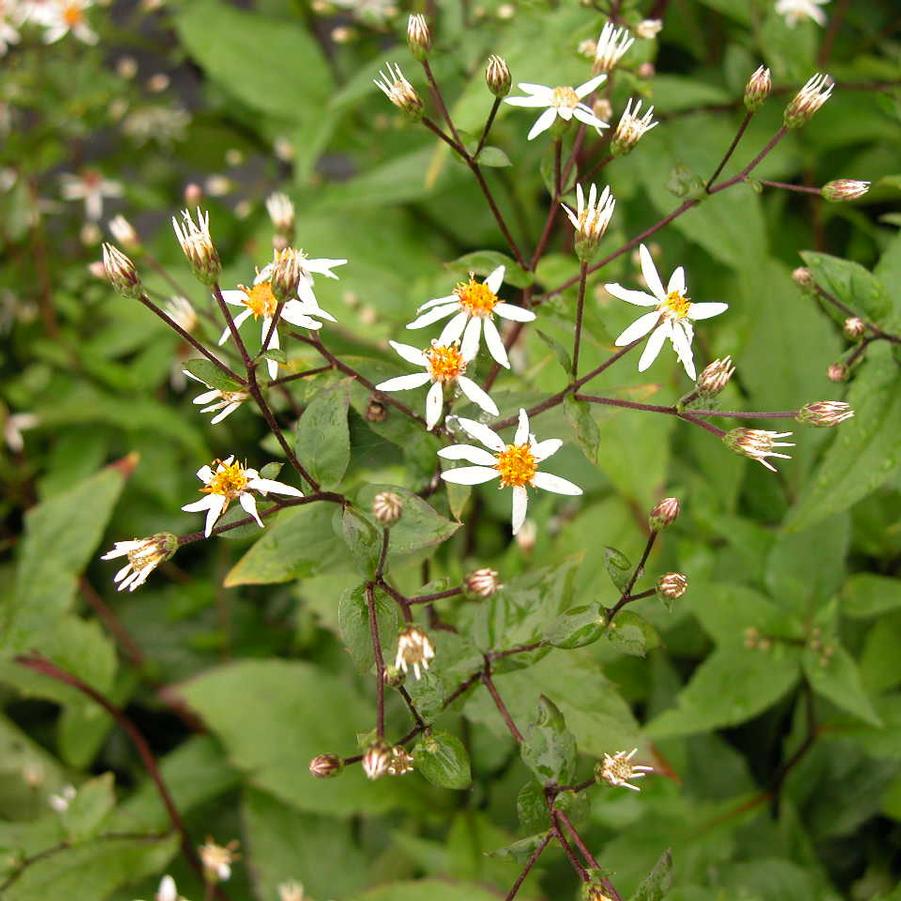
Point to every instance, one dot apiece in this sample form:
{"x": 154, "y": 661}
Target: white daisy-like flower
{"x": 259, "y": 301}
{"x": 671, "y": 318}
{"x": 516, "y": 464}
{"x": 144, "y": 556}
{"x": 91, "y": 187}
{"x": 222, "y": 403}
{"x": 795, "y": 11}
{"x": 618, "y": 769}
{"x": 612, "y": 45}
{"x": 442, "y": 365}
{"x": 563, "y": 101}
{"x": 230, "y": 481}
{"x": 590, "y": 220}
{"x": 67, "y": 17}
{"x": 473, "y": 306}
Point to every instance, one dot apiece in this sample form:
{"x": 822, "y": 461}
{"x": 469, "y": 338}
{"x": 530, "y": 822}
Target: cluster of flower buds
{"x": 844, "y": 189}
{"x": 197, "y": 246}
{"x": 325, "y": 766}
{"x": 497, "y": 76}
{"x": 825, "y": 414}
{"x": 281, "y": 212}
{"x": 399, "y": 91}
{"x": 757, "y": 89}
{"x": 387, "y": 507}
{"x": 121, "y": 273}
{"x": 664, "y": 514}
{"x": 807, "y": 101}
{"x": 754, "y": 641}
{"x": 671, "y": 586}
{"x": 483, "y": 582}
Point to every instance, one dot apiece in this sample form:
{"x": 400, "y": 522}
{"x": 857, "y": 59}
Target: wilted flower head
{"x": 401, "y": 761}
{"x": 844, "y": 189}
{"x": 121, "y": 273}
{"x": 197, "y": 246}
{"x": 324, "y": 766}
{"x": 387, "y": 507}
{"x": 376, "y": 760}
{"x": 631, "y": 128}
{"x": 418, "y": 36}
{"x": 123, "y": 231}
{"x": 664, "y": 514}
{"x": 758, "y": 444}
{"x": 414, "y": 649}
{"x": 825, "y": 413}
{"x": 672, "y": 585}
{"x": 497, "y": 76}
{"x": 618, "y": 769}
{"x": 758, "y": 89}
{"x": 854, "y": 327}
{"x": 217, "y": 860}
{"x": 590, "y": 220}
{"x": 715, "y": 376}
{"x": 399, "y": 91}
{"x": 483, "y": 582}
{"x": 808, "y": 100}
{"x": 144, "y": 556}
{"x": 611, "y": 47}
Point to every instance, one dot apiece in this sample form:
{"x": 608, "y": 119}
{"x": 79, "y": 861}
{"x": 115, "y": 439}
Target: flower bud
{"x": 714, "y": 377}
{"x": 854, "y": 327}
{"x": 193, "y": 194}
{"x": 758, "y": 89}
{"x": 672, "y": 585}
{"x": 375, "y": 411}
{"x": 394, "y": 676}
{"x": 664, "y": 514}
{"x": 594, "y": 891}
{"x": 837, "y": 372}
{"x": 286, "y": 272}
{"x": 648, "y": 29}
{"x": 325, "y": 766}
{"x": 590, "y": 219}
{"x": 497, "y": 76}
{"x": 844, "y": 189}
{"x": 602, "y": 108}
{"x": 376, "y": 760}
{"x": 483, "y": 582}
{"x": 418, "y": 36}
{"x": 198, "y": 247}
{"x": 121, "y": 273}
{"x": 803, "y": 278}
{"x": 123, "y": 231}
{"x": 281, "y": 212}
{"x": 807, "y": 101}
{"x": 399, "y": 91}
{"x": 387, "y": 507}
{"x": 825, "y": 413}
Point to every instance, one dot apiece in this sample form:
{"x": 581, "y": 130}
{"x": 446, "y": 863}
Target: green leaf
{"x": 493, "y": 157}
{"x": 729, "y": 687}
{"x": 656, "y": 885}
{"x": 577, "y": 627}
{"x": 580, "y": 417}
{"x": 632, "y": 634}
{"x": 225, "y": 42}
{"x": 560, "y": 352}
{"x": 362, "y": 538}
{"x": 618, "y": 567}
{"x": 549, "y": 749}
{"x": 89, "y": 808}
{"x": 835, "y": 676}
{"x": 850, "y": 283}
{"x": 322, "y": 441}
{"x": 531, "y": 806}
{"x": 519, "y": 851}
{"x": 211, "y": 374}
{"x": 442, "y": 759}
{"x": 866, "y": 450}
{"x": 866, "y": 594}
{"x": 353, "y": 625}
{"x": 484, "y": 262}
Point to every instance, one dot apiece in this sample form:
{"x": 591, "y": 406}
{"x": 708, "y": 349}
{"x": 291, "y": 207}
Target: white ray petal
{"x": 652, "y": 348}
{"x": 270, "y": 486}
{"x": 482, "y": 433}
{"x": 469, "y": 347}
{"x": 639, "y": 298}
{"x": 437, "y": 302}
{"x": 706, "y": 310}
{"x": 434, "y": 404}
{"x": 583, "y": 90}
{"x": 469, "y": 453}
{"x": 495, "y": 279}
{"x": 542, "y": 123}
{"x": 638, "y": 329}
{"x": 677, "y": 281}
{"x": 404, "y": 382}
{"x": 477, "y": 395}
{"x": 248, "y": 502}
{"x": 214, "y": 512}
{"x": 411, "y": 354}
{"x": 470, "y": 475}
{"x": 434, "y": 315}
{"x": 520, "y": 508}
{"x": 495, "y": 345}
{"x": 547, "y": 448}
{"x": 548, "y": 482}
{"x": 454, "y": 329}
{"x": 517, "y": 314}
{"x": 649, "y": 271}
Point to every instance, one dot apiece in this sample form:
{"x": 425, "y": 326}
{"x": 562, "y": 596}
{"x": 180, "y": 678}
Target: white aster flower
{"x": 69, "y": 16}
{"x": 590, "y": 220}
{"x": 633, "y": 126}
{"x": 618, "y": 769}
{"x": 144, "y": 556}
{"x": 671, "y": 318}
{"x": 179, "y": 309}
{"x": 259, "y": 301}
{"x": 222, "y": 403}
{"x": 230, "y": 481}
{"x": 442, "y": 365}
{"x": 563, "y": 101}
{"x": 473, "y": 306}
{"x": 516, "y": 464}
{"x": 91, "y": 187}
{"x": 13, "y": 427}
{"x": 611, "y": 47}
{"x": 794, "y": 11}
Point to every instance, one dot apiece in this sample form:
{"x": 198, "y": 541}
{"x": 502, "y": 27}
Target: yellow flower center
{"x": 445, "y": 363}
{"x": 73, "y": 14}
{"x": 676, "y": 305}
{"x": 517, "y": 465}
{"x": 476, "y": 297}
{"x": 565, "y": 96}
{"x": 260, "y": 299}
{"x": 230, "y": 481}
{"x": 618, "y": 768}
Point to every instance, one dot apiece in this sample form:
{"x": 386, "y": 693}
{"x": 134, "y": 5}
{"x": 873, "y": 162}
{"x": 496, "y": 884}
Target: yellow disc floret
{"x": 565, "y": 97}
{"x": 517, "y": 465}
{"x": 260, "y": 299}
{"x": 476, "y": 297}
{"x": 230, "y": 481}
{"x": 73, "y": 14}
{"x": 445, "y": 362}
{"x": 676, "y": 305}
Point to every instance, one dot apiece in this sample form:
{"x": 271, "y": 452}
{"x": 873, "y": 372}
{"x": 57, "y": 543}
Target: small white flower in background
{"x": 91, "y": 187}
{"x": 167, "y": 890}
{"x": 611, "y": 47}
{"x": 180, "y": 310}
{"x": 230, "y": 481}
{"x": 443, "y": 365}
{"x": 290, "y": 891}
{"x": 68, "y": 16}
{"x": 564, "y": 102}
{"x": 671, "y": 318}
{"x": 144, "y": 556}
{"x": 632, "y": 127}
{"x": 758, "y": 444}
{"x": 473, "y": 306}
{"x": 223, "y": 403}
{"x": 123, "y": 232}
{"x": 618, "y": 769}
{"x": 516, "y": 464}
{"x": 413, "y": 649}
{"x": 281, "y": 211}
{"x": 217, "y": 860}
{"x": 14, "y": 425}
{"x": 590, "y": 220}
{"x": 794, "y": 11}
{"x": 259, "y": 301}
{"x": 60, "y": 802}
{"x": 816, "y": 91}
{"x": 648, "y": 29}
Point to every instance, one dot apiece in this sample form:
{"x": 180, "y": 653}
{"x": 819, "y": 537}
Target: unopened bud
{"x": 123, "y": 231}
{"x": 715, "y": 376}
{"x": 375, "y": 411}
{"x": 193, "y": 194}
{"x": 807, "y": 101}
{"x": 497, "y": 76}
{"x": 121, "y": 272}
{"x": 281, "y": 212}
{"x": 837, "y": 372}
{"x": 418, "y": 36}
{"x": 672, "y": 585}
{"x": 483, "y": 582}
{"x": 758, "y": 89}
{"x": 854, "y": 327}
{"x": 286, "y": 272}
{"x": 376, "y": 760}
{"x": 664, "y": 514}
{"x": 399, "y": 91}
{"x": 844, "y": 189}
{"x": 593, "y": 891}
{"x": 387, "y": 507}
{"x": 325, "y": 766}
{"x": 197, "y": 246}
{"x": 803, "y": 278}
{"x": 646, "y": 71}
{"x": 825, "y": 413}
{"x": 631, "y": 128}
{"x": 602, "y": 108}
{"x": 648, "y": 29}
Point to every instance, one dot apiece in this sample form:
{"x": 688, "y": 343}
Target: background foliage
{"x": 232, "y": 660}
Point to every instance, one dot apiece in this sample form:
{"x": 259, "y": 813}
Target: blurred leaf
{"x": 89, "y": 808}
{"x": 433, "y": 889}
{"x": 442, "y": 759}
{"x": 867, "y": 594}
{"x": 353, "y": 623}
{"x": 322, "y": 441}
{"x": 656, "y": 885}
{"x": 211, "y": 374}
{"x": 362, "y": 538}
{"x": 577, "y": 627}
{"x": 519, "y": 851}
{"x": 560, "y": 352}
{"x": 850, "y": 283}
{"x": 837, "y": 678}
{"x": 618, "y": 567}
{"x": 493, "y": 157}
{"x": 632, "y": 634}
{"x": 585, "y": 428}
{"x": 549, "y": 749}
